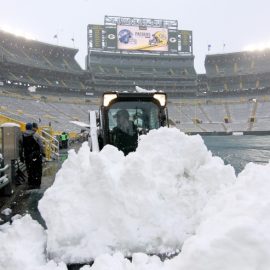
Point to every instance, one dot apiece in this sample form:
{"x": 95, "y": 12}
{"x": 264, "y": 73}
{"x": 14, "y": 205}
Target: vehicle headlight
{"x": 107, "y": 98}
{"x": 161, "y": 98}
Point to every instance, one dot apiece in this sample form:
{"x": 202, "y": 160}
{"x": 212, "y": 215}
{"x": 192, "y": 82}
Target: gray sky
{"x": 236, "y": 23}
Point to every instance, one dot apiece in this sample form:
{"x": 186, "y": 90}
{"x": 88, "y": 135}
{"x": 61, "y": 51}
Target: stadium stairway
{"x": 204, "y": 113}
{"x": 252, "y": 117}
{"x": 202, "y": 128}
{"x": 7, "y": 52}
{"x": 47, "y": 61}
{"x": 13, "y": 76}
{"x": 228, "y": 114}
{"x": 49, "y": 83}
{"x": 184, "y": 116}
{"x": 224, "y": 127}
{"x": 31, "y": 79}
{"x": 67, "y": 64}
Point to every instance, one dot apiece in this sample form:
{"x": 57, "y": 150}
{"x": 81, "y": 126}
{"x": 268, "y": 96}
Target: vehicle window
{"x": 143, "y": 116}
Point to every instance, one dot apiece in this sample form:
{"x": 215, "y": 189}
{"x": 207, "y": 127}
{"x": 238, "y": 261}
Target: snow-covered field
{"x": 170, "y": 194}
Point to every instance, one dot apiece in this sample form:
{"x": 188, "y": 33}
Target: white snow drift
{"x": 120, "y": 200}
{"x": 149, "y": 201}
{"x": 22, "y": 246}
{"x": 234, "y": 232}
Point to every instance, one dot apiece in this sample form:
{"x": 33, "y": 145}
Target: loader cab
{"x": 125, "y": 116}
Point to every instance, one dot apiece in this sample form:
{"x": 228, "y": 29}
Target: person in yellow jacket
{"x": 64, "y": 139}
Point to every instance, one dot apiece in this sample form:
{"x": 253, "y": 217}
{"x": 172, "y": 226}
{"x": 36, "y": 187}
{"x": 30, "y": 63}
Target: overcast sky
{"x": 235, "y": 23}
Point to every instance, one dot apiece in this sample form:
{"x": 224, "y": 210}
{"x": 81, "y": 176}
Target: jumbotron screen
{"x": 130, "y": 34}
{"x": 138, "y": 38}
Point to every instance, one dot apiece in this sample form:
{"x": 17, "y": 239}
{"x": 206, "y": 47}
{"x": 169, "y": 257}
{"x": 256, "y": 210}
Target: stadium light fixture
{"x": 258, "y": 47}
{"x": 161, "y": 98}
{"x": 17, "y": 32}
{"x": 107, "y": 98}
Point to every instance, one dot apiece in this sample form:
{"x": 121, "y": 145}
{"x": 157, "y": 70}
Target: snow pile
{"x": 149, "y": 201}
{"x": 235, "y": 231}
{"x": 22, "y": 246}
{"x": 105, "y": 202}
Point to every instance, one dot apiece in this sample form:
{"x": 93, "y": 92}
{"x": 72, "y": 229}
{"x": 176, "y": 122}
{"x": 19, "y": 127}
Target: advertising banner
{"x": 141, "y": 38}
{"x": 111, "y": 37}
{"x": 173, "y": 41}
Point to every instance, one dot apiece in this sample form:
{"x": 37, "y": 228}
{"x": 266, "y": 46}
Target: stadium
{"x": 233, "y": 95}
{"x": 44, "y": 83}
{"x": 94, "y": 172}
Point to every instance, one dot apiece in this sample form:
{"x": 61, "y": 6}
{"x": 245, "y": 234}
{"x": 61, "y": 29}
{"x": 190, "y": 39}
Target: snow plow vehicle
{"x": 120, "y": 120}
{"x": 122, "y": 117}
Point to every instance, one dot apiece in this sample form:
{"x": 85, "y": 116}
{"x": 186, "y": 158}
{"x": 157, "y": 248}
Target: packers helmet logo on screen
{"x": 111, "y": 36}
{"x": 124, "y": 36}
{"x": 159, "y": 38}
{"x": 172, "y": 39}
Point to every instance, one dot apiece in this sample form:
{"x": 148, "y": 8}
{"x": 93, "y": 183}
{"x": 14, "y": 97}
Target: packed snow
{"x": 171, "y": 189}
{"x": 32, "y": 89}
{"x": 234, "y": 232}
{"x": 149, "y": 201}
{"x": 6, "y": 212}
{"x": 22, "y": 246}
{"x": 142, "y": 90}
{"x": 10, "y": 125}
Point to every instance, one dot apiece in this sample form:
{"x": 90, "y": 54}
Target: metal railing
{"x": 51, "y": 145}
{"x": 4, "y": 179}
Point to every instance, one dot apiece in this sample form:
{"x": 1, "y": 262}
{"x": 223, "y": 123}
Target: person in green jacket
{"x": 64, "y": 139}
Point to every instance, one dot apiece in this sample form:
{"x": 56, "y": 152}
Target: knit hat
{"x": 28, "y": 126}
{"x": 35, "y": 125}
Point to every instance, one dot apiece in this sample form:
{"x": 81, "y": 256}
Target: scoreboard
{"x": 185, "y": 40}
{"x": 139, "y": 35}
{"x": 97, "y": 34}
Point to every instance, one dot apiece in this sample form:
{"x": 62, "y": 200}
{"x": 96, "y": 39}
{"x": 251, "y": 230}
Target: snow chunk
{"x": 17, "y": 216}
{"x": 32, "y": 89}
{"x": 6, "y": 212}
{"x": 22, "y": 243}
{"x": 22, "y": 246}
{"x": 142, "y": 90}
{"x": 149, "y": 201}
